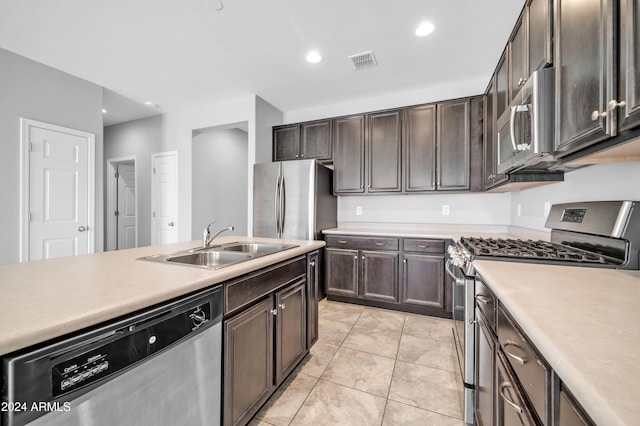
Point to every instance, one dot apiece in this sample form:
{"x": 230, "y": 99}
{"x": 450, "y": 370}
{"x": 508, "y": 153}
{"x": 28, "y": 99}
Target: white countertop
{"x": 586, "y": 324}
{"x": 46, "y": 299}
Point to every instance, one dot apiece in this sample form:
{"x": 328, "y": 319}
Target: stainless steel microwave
{"x": 526, "y": 131}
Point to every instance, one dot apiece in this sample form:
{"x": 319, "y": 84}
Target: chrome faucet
{"x": 206, "y": 236}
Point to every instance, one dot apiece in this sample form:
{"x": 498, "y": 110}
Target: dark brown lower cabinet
{"x": 485, "y": 373}
{"x": 405, "y": 274}
{"x": 511, "y": 406}
{"x": 569, "y": 411}
{"x": 423, "y": 280}
{"x": 263, "y": 344}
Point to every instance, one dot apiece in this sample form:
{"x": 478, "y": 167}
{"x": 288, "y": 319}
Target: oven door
{"x": 464, "y": 332}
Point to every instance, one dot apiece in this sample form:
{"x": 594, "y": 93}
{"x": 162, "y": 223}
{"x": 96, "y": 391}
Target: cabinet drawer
{"x": 362, "y": 243}
{"x": 532, "y": 371}
{"x": 486, "y": 303}
{"x": 423, "y": 246}
{"x": 248, "y": 289}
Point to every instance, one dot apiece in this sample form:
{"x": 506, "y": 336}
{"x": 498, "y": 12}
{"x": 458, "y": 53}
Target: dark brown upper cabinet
{"x": 519, "y": 60}
{"x": 349, "y": 141}
{"x": 502, "y": 84}
{"x": 585, "y": 73}
{"x": 453, "y": 145}
{"x": 306, "y": 141}
{"x": 419, "y": 146}
{"x": 539, "y": 34}
{"x": 384, "y": 152}
{"x": 491, "y": 175}
{"x": 629, "y": 87}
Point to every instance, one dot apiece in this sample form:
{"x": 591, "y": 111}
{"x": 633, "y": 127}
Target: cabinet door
{"x": 519, "y": 55}
{"x": 341, "y": 272}
{"x": 248, "y": 360}
{"x": 539, "y": 34}
{"x": 419, "y": 139}
{"x": 291, "y": 329}
{"x": 502, "y": 84}
{"x": 491, "y": 175}
{"x": 348, "y": 159}
{"x": 511, "y": 409}
{"x": 384, "y": 152}
{"x": 584, "y": 72}
{"x": 380, "y": 276}
{"x": 286, "y": 143}
{"x": 315, "y": 141}
{"x": 423, "y": 280}
{"x": 453, "y": 145}
{"x": 629, "y": 115}
{"x": 485, "y": 373}
{"x": 313, "y": 282}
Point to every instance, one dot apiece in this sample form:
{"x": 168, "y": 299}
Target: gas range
{"x": 603, "y": 234}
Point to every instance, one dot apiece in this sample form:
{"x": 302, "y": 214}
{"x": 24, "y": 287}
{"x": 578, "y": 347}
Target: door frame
{"x": 25, "y": 169}
{"x": 110, "y": 220}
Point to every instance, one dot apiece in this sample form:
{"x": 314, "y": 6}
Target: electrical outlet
{"x": 359, "y": 211}
{"x": 445, "y": 210}
{"x": 518, "y": 209}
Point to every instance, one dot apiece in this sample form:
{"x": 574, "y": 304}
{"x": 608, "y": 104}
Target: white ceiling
{"x": 184, "y": 53}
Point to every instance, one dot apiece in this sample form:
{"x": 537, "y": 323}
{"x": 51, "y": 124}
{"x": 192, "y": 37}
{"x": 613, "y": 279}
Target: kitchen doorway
{"x": 57, "y": 191}
{"x": 219, "y": 178}
{"x": 122, "y": 204}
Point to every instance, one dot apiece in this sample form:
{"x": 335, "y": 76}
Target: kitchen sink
{"x": 210, "y": 259}
{"x": 219, "y": 256}
{"x": 259, "y": 248}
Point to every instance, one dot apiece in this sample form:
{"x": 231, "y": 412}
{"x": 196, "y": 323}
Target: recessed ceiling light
{"x": 313, "y": 57}
{"x": 424, "y": 29}
{"x": 104, "y": 111}
{"x": 151, "y": 104}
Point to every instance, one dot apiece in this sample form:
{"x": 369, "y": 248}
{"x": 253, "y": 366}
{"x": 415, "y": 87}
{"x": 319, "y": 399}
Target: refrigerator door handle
{"x": 276, "y": 205}
{"x": 283, "y": 203}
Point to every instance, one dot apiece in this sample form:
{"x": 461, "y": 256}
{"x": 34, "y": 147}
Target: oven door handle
{"x": 456, "y": 280}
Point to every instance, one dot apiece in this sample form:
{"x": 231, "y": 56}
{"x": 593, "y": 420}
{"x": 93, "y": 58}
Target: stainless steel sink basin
{"x": 260, "y": 248}
{"x": 210, "y": 259}
{"x": 219, "y": 256}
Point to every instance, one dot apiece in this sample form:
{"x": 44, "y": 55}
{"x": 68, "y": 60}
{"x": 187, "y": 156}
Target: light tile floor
{"x": 371, "y": 367}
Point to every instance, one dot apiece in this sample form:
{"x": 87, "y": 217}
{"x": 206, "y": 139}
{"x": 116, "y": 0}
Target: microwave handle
{"x": 512, "y": 123}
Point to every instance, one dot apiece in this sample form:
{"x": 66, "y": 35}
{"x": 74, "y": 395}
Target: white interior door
{"x": 57, "y": 191}
{"x": 126, "y": 208}
{"x": 164, "y": 198}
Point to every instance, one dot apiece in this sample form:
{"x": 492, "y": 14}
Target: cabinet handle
{"x": 363, "y": 257}
{"x": 595, "y": 115}
{"x": 513, "y": 405}
{"x": 274, "y": 311}
{"x": 613, "y": 104}
{"x": 312, "y": 263}
{"x": 482, "y": 298}
{"x": 518, "y": 359}
{"x": 522, "y": 81}
{"x": 423, "y": 246}
{"x": 302, "y": 156}
{"x": 282, "y": 306}
{"x": 380, "y": 244}
{"x": 355, "y": 257}
{"x": 297, "y": 156}
{"x": 342, "y": 241}
{"x": 404, "y": 261}
{"x": 369, "y": 186}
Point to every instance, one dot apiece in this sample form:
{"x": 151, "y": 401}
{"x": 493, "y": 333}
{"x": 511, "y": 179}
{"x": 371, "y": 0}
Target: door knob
{"x": 171, "y": 224}
{"x": 82, "y": 228}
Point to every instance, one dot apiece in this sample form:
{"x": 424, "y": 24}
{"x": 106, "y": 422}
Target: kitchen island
{"x": 44, "y": 300}
{"x": 584, "y": 322}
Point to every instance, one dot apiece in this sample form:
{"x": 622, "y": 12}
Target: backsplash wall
{"x": 466, "y": 209}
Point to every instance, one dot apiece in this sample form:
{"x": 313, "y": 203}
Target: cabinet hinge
{"x": 116, "y": 213}
{"x": 117, "y": 175}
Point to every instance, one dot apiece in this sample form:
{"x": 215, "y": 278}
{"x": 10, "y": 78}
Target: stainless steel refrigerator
{"x": 293, "y": 199}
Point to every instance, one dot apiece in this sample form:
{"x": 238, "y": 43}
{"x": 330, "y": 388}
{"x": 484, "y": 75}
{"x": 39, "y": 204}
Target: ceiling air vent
{"x": 364, "y": 60}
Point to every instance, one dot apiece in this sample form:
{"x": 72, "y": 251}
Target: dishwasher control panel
{"x": 125, "y": 347}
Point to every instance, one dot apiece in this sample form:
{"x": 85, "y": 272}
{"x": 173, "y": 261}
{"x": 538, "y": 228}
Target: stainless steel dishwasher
{"x": 159, "y": 367}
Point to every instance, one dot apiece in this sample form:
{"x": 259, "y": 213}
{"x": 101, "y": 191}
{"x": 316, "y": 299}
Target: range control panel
{"x": 573, "y": 215}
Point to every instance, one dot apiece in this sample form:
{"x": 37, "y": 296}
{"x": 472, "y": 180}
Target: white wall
{"x": 467, "y": 209}
{"x": 31, "y": 90}
{"x": 139, "y": 138}
{"x": 391, "y": 100}
{"x": 601, "y": 182}
{"x": 219, "y": 181}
